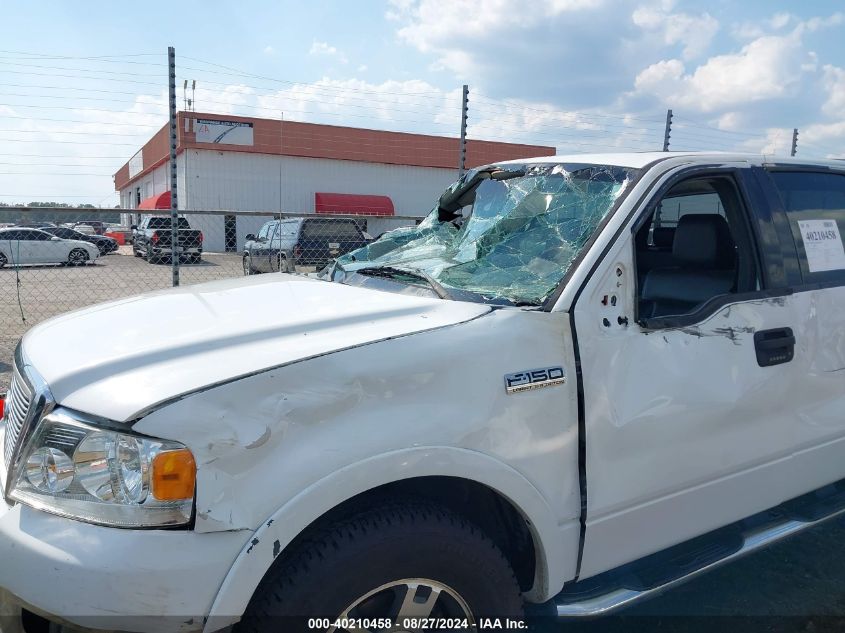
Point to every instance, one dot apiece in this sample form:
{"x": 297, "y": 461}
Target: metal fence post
{"x": 794, "y": 149}
{"x": 174, "y": 206}
{"x": 462, "y": 161}
{"x": 667, "y": 131}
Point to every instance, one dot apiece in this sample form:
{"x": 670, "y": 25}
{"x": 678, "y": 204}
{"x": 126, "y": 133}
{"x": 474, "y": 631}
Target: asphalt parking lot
{"x": 796, "y": 586}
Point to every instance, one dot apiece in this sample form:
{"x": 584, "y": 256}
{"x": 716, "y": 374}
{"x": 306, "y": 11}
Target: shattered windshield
{"x": 504, "y": 234}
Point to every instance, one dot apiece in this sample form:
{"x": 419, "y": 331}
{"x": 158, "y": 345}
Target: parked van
{"x": 579, "y": 382}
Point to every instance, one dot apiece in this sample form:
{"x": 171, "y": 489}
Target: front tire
{"x": 3, "y": 260}
{"x": 397, "y": 561}
{"x": 77, "y": 257}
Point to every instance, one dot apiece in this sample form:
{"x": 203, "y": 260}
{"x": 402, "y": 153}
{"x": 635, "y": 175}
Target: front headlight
{"x": 72, "y": 468}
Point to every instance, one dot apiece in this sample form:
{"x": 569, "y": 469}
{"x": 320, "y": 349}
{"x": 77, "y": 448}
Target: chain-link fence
{"x": 57, "y": 260}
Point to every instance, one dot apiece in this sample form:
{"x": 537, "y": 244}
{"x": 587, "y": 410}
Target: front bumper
{"x": 108, "y": 578}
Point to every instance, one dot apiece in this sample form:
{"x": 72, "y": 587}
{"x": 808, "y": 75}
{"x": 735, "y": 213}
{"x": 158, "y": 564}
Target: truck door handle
{"x": 775, "y": 346}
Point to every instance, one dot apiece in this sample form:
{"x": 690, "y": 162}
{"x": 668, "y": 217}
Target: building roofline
{"x": 316, "y": 140}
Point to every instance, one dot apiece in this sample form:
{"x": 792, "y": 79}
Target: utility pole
{"x": 794, "y": 142}
{"x": 462, "y": 161}
{"x": 174, "y": 205}
{"x": 667, "y": 132}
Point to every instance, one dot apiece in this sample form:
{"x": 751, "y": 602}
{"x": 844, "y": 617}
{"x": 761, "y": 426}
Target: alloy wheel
{"x": 77, "y": 257}
{"x": 407, "y": 601}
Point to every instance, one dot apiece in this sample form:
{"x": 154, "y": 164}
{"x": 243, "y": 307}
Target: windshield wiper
{"x": 391, "y": 272}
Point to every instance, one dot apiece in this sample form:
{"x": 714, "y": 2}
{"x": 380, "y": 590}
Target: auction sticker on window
{"x": 823, "y": 245}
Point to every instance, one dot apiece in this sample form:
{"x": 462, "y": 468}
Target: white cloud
{"x": 695, "y": 32}
{"x": 780, "y": 20}
{"x": 769, "y": 67}
{"x": 269, "y": 50}
{"x": 448, "y": 28}
{"x": 362, "y": 68}
{"x": 324, "y": 49}
{"x": 816, "y": 23}
{"x": 827, "y": 139}
{"x": 834, "y": 84}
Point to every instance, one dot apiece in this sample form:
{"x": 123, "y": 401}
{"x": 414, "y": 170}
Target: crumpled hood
{"x": 119, "y": 358}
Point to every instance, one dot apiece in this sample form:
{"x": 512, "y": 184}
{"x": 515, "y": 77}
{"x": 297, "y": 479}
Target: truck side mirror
{"x": 134, "y": 227}
{"x": 250, "y": 237}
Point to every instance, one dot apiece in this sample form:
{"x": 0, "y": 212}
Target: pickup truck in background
{"x": 152, "y": 239}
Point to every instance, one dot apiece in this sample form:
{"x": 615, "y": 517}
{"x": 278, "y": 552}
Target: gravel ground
{"x": 797, "y": 586}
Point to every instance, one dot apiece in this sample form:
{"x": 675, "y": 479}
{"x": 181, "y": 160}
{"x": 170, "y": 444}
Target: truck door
{"x": 811, "y": 207}
{"x": 261, "y": 250}
{"x": 687, "y": 337}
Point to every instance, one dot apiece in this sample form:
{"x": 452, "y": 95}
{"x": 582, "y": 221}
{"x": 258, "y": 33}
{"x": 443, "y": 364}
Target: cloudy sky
{"x": 84, "y": 84}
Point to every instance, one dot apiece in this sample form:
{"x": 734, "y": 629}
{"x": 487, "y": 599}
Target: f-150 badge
{"x": 534, "y": 379}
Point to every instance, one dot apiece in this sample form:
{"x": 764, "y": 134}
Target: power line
{"x": 115, "y": 92}
{"x": 97, "y": 71}
{"x": 94, "y": 59}
{"x": 53, "y": 173}
{"x": 127, "y": 124}
{"x": 626, "y": 117}
{"x": 74, "y": 142}
{"x": 47, "y": 195}
{"x": 62, "y": 156}
{"x": 29, "y": 74}
{"x": 65, "y": 98}
{"x": 71, "y": 132}
{"x": 55, "y": 164}
{"x": 36, "y": 55}
{"x": 704, "y": 126}
{"x": 281, "y": 81}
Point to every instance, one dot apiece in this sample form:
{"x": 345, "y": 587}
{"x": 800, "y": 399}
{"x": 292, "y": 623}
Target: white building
{"x": 235, "y": 164}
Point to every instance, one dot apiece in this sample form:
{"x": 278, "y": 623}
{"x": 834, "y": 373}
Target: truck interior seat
{"x": 705, "y": 266}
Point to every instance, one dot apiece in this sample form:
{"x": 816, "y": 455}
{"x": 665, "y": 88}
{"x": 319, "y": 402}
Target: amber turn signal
{"x": 174, "y": 475}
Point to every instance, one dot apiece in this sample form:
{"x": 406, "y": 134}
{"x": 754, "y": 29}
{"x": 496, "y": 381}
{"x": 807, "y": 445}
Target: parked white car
{"x": 582, "y": 379}
{"x": 32, "y": 246}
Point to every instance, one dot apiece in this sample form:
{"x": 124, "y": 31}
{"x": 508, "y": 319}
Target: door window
{"x": 264, "y": 233}
{"x": 317, "y": 229}
{"x": 815, "y": 207}
{"x": 694, "y": 246}
{"x": 289, "y": 228}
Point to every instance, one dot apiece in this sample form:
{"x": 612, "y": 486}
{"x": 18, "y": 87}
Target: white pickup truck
{"x": 579, "y": 382}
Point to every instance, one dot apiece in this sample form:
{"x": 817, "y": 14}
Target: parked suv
{"x": 530, "y": 397}
{"x": 281, "y": 245}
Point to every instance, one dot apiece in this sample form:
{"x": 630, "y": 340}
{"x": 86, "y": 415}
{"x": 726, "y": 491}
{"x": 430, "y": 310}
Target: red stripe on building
{"x": 349, "y": 203}
{"x": 161, "y": 201}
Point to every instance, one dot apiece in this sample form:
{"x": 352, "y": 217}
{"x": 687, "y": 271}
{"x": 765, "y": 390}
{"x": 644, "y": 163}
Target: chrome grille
{"x": 18, "y": 401}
